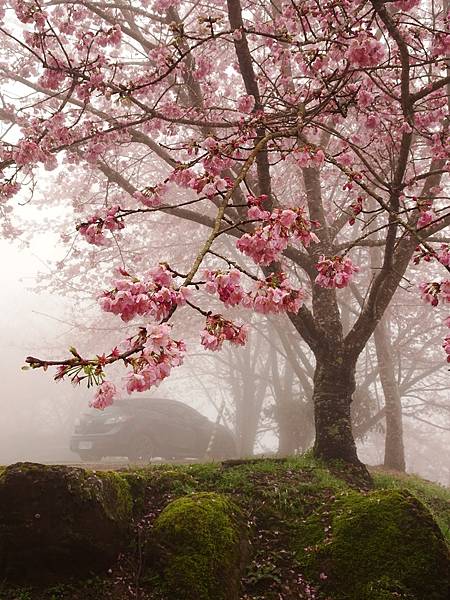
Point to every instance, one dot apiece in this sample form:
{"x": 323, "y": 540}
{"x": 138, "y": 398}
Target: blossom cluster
{"x": 307, "y": 156}
{"x": 434, "y": 291}
{"x": 274, "y": 295}
{"x": 356, "y": 207}
{"x": 93, "y": 230}
{"x": 279, "y": 226}
{"x": 218, "y": 329}
{"x": 227, "y": 284}
{"x": 426, "y": 213}
{"x": 104, "y": 395}
{"x": 335, "y": 271}
{"x": 443, "y": 255}
{"x": 154, "y": 295}
{"x": 8, "y": 190}
{"x": 151, "y": 196}
{"x": 271, "y": 295}
{"x": 154, "y": 363}
{"x": 365, "y": 51}
{"x": 446, "y": 346}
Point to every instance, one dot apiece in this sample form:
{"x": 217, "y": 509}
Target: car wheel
{"x": 143, "y": 450}
{"x": 88, "y": 456}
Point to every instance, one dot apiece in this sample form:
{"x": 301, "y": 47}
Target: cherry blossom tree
{"x": 306, "y": 132}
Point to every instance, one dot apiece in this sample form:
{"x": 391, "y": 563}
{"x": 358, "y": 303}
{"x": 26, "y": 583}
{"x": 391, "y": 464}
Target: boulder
{"x": 200, "y": 546}
{"x": 58, "y": 521}
{"x": 384, "y": 545}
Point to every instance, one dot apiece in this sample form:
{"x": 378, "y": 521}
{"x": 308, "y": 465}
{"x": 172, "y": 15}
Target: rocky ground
{"x": 249, "y": 530}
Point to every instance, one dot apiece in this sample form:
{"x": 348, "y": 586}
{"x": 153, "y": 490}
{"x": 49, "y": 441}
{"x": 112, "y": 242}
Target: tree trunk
{"x": 394, "y": 451}
{"x": 334, "y": 384}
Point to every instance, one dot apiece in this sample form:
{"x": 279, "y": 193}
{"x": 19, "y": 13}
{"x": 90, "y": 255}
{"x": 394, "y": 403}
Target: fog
{"x": 38, "y": 414}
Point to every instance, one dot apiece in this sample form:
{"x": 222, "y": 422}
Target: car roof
{"x": 159, "y": 404}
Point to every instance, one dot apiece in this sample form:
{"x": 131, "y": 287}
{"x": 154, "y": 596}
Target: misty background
{"x": 38, "y": 414}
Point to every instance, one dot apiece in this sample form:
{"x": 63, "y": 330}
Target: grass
{"x": 288, "y": 513}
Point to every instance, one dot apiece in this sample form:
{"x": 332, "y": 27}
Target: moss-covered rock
{"x": 59, "y": 521}
{"x": 386, "y": 589}
{"x": 384, "y": 545}
{"x": 201, "y": 544}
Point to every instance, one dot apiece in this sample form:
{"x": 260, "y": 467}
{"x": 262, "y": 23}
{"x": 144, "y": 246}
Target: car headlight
{"x": 115, "y": 420}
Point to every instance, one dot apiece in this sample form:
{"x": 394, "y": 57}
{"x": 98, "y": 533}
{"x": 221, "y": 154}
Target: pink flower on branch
{"x": 271, "y": 295}
{"x": 446, "y": 346}
{"x": 335, "y": 271}
{"x": 426, "y": 217}
{"x": 246, "y": 104}
{"x": 226, "y": 285}
{"x": 158, "y": 355}
{"x": 365, "y": 51}
{"x": 280, "y": 226}
{"x": 154, "y": 296}
{"x": 307, "y": 156}
{"x": 93, "y": 230}
{"x": 104, "y": 396}
{"x": 151, "y": 196}
{"x": 28, "y": 152}
{"x": 443, "y": 255}
{"x": 434, "y": 291}
{"x": 218, "y": 329}
{"x": 8, "y": 190}
{"x": 274, "y": 295}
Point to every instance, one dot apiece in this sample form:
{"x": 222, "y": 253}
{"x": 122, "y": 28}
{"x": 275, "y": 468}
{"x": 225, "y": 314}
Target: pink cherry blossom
{"x": 93, "y": 234}
{"x": 8, "y": 190}
{"x": 335, "y": 271}
{"x": 446, "y": 346}
{"x": 93, "y": 230}
{"x": 151, "y": 196}
{"x": 104, "y": 395}
{"x": 425, "y": 218}
{"x": 226, "y": 285}
{"x": 281, "y": 226}
{"x": 274, "y": 295}
{"x": 27, "y": 152}
{"x": 434, "y": 291}
{"x": 159, "y": 354}
{"x": 246, "y": 104}
{"x": 218, "y": 329}
{"x": 365, "y": 51}
{"x": 308, "y": 156}
{"x": 154, "y": 295}
{"x": 443, "y": 255}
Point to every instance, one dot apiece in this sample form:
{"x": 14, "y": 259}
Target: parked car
{"x": 146, "y": 428}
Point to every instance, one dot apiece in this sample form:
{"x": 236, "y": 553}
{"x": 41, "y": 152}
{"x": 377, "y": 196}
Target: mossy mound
{"x": 382, "y": 545}
{"x": 200, "y": 547}
{"x": 310, "y": 533}
{"x": 58, "y": 521}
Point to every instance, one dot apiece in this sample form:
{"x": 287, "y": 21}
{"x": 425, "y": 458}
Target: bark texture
{"x": 334, "y": 384}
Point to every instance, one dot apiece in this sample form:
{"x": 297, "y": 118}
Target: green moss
{"x": 305, "y": 521}
{"x": 435, "y": 497}
{"x": 117, "y": 500}
{"x": 199, "y": 541}
{"x": 388, "y": 536}
{"x": 386, "y": 589}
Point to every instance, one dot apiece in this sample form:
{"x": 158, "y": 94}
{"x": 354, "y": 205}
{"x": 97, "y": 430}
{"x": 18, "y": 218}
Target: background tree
{"x": 319, "y": 114}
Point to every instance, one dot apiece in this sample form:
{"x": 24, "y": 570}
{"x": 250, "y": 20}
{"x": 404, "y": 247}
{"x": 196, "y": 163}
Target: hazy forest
{"x": 225, "y": 236}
